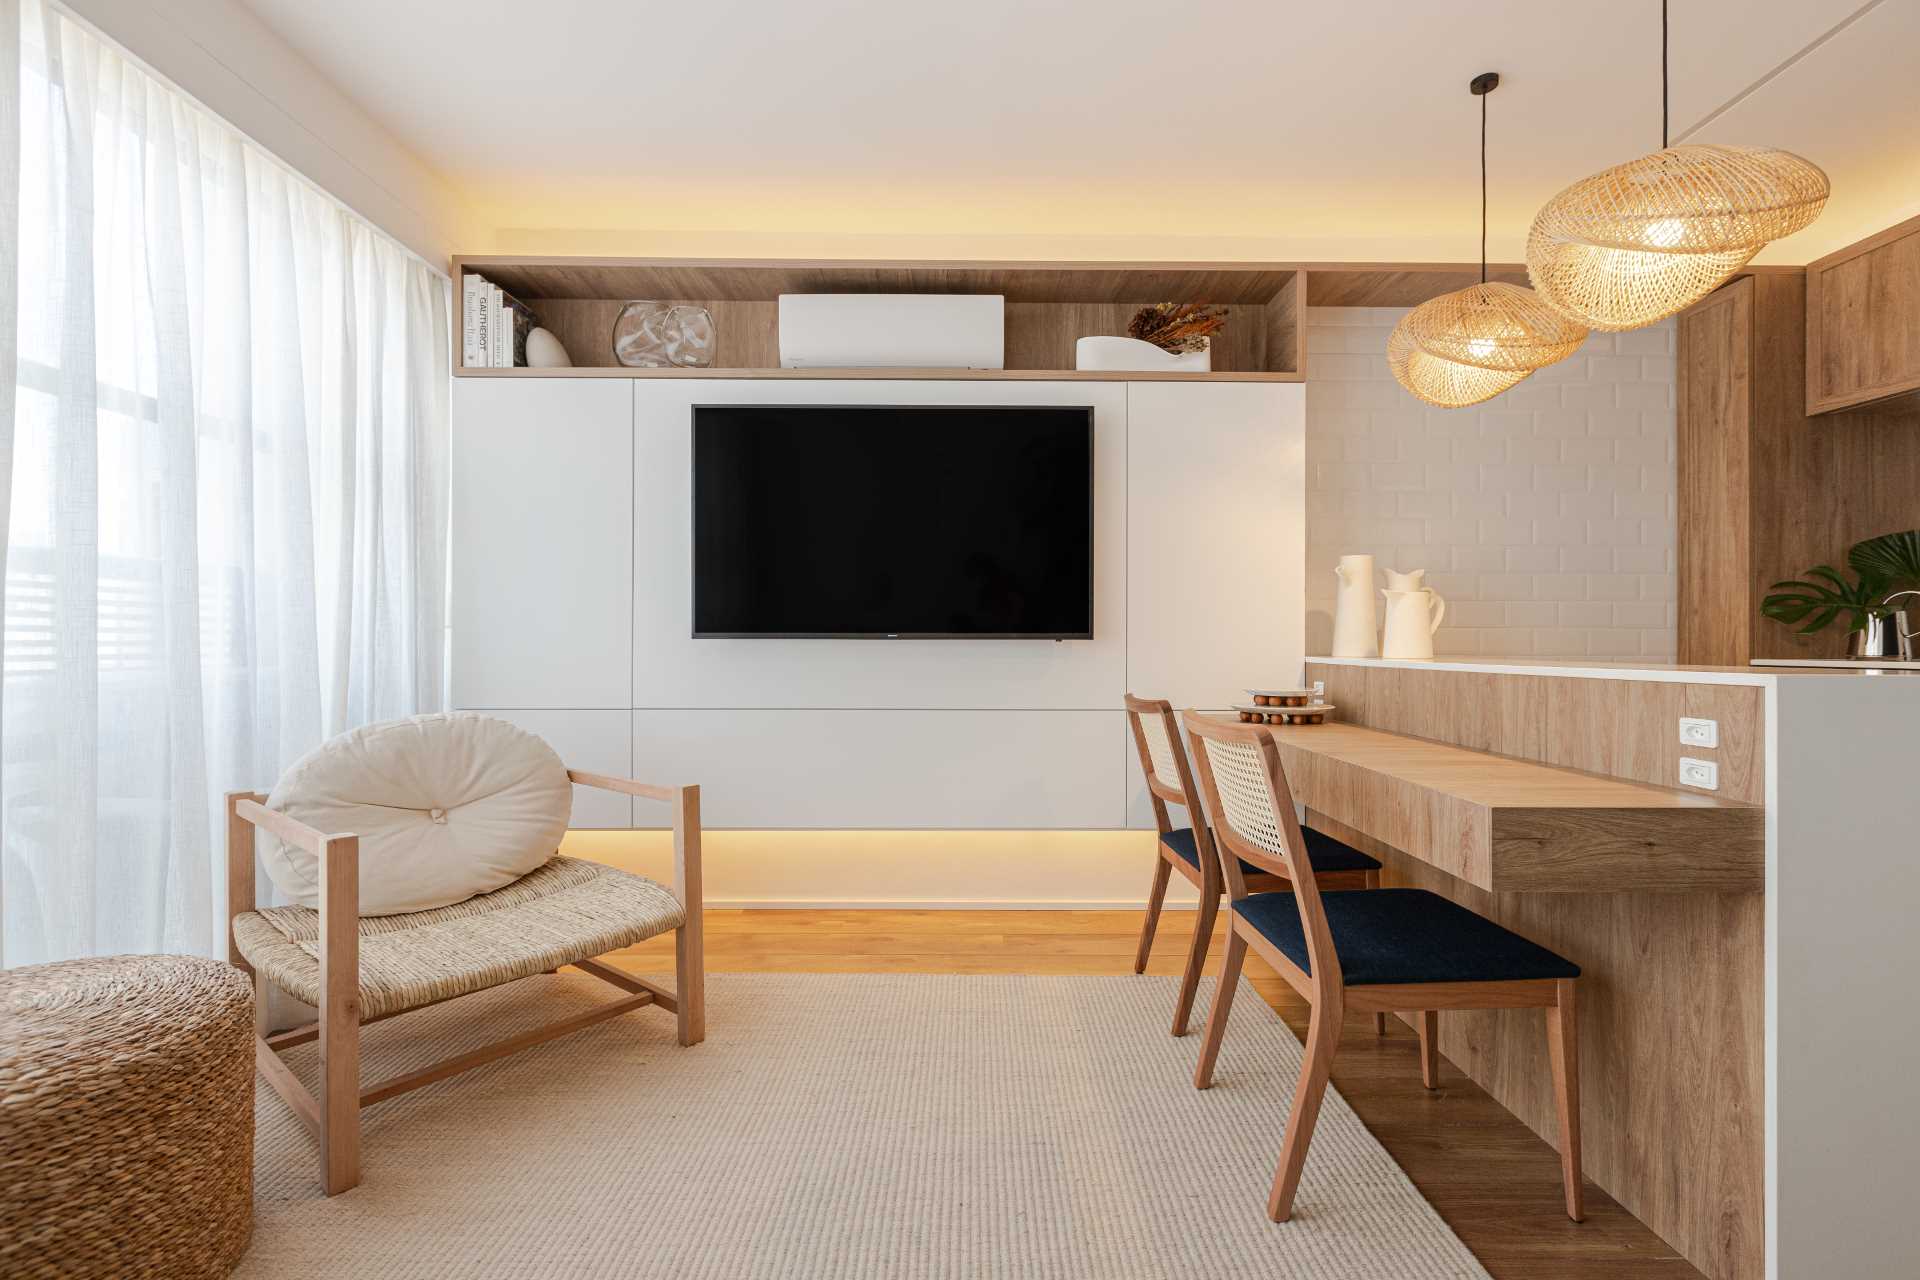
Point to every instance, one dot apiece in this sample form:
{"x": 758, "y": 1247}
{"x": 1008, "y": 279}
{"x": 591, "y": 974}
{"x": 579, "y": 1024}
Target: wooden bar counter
{"x": 1502, "y": 823}
{"x": 1759, "y": 933}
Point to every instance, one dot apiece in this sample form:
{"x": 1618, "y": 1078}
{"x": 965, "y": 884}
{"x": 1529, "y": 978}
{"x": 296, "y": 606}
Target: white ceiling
{"x": 1100, "y": 128}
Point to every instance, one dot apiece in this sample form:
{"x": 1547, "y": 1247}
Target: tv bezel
{"x": 693, "y": 549}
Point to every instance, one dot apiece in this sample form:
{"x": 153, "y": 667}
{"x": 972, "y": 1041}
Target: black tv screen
{"x": 893, "y": 520}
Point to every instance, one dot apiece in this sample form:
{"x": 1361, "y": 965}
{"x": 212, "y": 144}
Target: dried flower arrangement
{"x": 1177, "y": 327}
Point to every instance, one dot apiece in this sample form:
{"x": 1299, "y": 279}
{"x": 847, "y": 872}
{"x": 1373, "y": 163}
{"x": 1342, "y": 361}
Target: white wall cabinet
{"x": 887, "y": 770}
{"x": 542, "y": 610}
{"x": 592, "y": 742}
{"x": 573, "y": 600}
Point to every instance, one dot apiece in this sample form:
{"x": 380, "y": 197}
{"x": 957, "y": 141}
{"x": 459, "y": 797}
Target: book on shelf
{"x": 493, "y": 325}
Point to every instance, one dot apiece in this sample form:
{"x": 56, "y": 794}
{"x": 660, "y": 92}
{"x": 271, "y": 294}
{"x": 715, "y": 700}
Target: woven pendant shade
{"x": 1494, "y": 326}
{"x": 1647, "y": 239}
{"x": 1443, "y": 383}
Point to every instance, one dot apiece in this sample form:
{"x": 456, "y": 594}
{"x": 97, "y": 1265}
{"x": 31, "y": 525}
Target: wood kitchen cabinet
{"x": 1863, "y": 321}
{"x": 1765, "y": 491}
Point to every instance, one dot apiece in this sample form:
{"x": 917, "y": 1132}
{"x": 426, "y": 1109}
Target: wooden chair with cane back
{"x": 1379, "y": 951}
{"x": 1190, "y": 849}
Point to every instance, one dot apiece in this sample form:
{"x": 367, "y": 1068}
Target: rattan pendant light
{"x": 1649, "y": 238}
{"x": 1470, "y": 345}
{"x": 1443, "y": 383}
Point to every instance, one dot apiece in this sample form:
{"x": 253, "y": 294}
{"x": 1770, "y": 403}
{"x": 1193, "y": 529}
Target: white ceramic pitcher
{"x": 1354, "y": 635}
{"x": 1412, "y": 618}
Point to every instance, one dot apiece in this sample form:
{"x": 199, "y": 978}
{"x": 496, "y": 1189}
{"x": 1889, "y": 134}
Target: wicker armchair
{"x": 356, "y": 970}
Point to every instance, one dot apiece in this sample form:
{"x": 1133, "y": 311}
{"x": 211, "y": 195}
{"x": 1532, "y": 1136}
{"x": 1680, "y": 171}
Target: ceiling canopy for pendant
{"x": 1649, "y": 238}
{"x": 1470, "y": 345}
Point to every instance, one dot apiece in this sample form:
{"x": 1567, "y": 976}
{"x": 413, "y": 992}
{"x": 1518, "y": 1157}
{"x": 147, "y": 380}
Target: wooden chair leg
{"x": 1155, "y": 896}
{"x": 1372, "y": 881}
{"x": 689, "y": 940}
{"x": 1323, "y": 1037}
{"x": 1429, "y": 1028}
{"x": 1196, "y": 960}
{"x": 1563, "y": 1047}
{"x": 1222, "y": 1006}
{"x": 340, "y": 1015}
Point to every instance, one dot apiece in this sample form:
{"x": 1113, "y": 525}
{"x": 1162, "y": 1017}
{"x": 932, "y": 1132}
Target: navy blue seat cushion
{"x": 1326, "y": 853}
{"x": 1385, "y": 936}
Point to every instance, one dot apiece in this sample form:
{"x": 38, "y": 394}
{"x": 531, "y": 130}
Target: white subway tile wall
{"x": 1544, "y": 516}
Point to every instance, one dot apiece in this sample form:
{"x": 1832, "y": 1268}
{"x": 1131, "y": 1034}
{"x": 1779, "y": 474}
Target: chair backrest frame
{"x": 1267, "y": 790}
{"x": 1182, "y": 789}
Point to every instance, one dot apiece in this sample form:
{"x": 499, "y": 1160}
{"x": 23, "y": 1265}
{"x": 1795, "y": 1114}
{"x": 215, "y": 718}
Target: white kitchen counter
{"x": 1662, "y": 672}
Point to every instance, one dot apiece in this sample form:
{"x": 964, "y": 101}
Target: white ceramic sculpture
{"x": 545, "y": 352}
{"x": 1353, "y": 625}
{"x": 1131, "y": 353}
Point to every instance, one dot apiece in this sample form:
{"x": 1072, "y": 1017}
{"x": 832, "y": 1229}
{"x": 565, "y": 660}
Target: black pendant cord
{"x": 1483, "y": 188}
{"x": 1663, "y": 75}
{"x": 1480, "y": 86}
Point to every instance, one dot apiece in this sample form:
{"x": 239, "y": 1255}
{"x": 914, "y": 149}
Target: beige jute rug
{"x": 840, "y": 1127}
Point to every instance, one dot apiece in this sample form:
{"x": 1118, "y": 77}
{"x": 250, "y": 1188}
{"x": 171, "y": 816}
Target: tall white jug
{"x": 1354, "y": 634}
{"x": 1412, "y": 618}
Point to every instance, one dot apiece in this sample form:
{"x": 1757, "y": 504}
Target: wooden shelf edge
{"x": 888, "y": 375}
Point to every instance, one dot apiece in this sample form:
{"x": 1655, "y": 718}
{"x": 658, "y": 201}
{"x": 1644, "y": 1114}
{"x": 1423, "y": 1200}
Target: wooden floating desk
{"x": 1501, "y": 823}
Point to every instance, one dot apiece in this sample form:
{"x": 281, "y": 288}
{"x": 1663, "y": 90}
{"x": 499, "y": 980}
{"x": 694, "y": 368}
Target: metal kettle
{"x": 1885, "y": 636}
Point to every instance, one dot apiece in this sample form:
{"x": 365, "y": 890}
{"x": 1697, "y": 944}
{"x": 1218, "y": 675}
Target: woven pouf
{"x": 126, "y": 1118}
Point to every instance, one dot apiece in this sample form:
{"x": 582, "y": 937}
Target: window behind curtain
{"x": 226, "y": 538}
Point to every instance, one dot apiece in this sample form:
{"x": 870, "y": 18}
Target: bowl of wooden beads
{"x": 1308, "y": 712}
{"x": 1281, "y": 697}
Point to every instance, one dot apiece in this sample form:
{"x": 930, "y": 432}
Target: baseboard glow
{"x": 980, "y": 870}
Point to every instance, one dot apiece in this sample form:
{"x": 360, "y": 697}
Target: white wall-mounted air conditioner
{"x": 893, "y": 330}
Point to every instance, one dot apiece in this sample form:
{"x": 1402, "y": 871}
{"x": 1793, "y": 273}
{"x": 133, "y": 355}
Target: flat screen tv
{"x": 896, "y": 521}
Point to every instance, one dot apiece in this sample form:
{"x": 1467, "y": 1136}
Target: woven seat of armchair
{"x": 562, "y": 912}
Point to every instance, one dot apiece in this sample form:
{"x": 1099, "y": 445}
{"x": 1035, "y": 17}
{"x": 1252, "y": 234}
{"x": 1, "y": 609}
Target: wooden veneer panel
{"x": 1672, "y": 987}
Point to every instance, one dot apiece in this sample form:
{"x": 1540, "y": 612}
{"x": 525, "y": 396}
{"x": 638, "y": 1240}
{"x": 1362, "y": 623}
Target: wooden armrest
{"x": 686, "y": 829}
{"x": 290, "y": 829}
{"x": 627, "y": 786}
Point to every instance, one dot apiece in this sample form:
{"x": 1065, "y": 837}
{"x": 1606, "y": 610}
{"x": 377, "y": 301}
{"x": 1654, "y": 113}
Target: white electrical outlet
{"x": 1699, "y": 733}
{"x": 1704, "y": 774}
{"x": 1319, "y": 690}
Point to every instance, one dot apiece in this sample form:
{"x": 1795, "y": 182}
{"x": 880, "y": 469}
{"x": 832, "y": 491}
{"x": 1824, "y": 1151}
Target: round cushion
{"x": 446, "y": 806}
{"x": 126, "y": 1118}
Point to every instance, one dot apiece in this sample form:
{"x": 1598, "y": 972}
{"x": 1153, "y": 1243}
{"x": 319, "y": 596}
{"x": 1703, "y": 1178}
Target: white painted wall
{"x": 220, "y": 52}
{"x": 1545, "y": 516}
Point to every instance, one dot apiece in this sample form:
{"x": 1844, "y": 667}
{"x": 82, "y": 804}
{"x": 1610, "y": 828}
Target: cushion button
{"x": 438, "y": 815}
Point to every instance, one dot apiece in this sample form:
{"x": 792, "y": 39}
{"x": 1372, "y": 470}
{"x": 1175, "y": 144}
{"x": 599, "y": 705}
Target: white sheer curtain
{"x": 227, "y": 458}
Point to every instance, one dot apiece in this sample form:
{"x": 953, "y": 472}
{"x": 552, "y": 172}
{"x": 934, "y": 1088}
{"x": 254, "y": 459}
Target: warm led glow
{"x": 1666, "y": 233}
{"x": 985, "y": 869}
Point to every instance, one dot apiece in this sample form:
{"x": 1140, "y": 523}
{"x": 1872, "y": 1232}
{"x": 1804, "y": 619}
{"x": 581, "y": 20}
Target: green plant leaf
{"x": 1893, "y": 559}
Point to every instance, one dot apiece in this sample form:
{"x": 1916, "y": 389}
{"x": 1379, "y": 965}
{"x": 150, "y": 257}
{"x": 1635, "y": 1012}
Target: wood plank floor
{"x": 1493, "y": 1181}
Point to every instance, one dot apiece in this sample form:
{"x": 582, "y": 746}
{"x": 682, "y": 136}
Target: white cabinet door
{"x": 589, "y": 742}
{"x": 1216, "y": 538}
{"x": 542, "y": 543}
{"x": 886, "y": 770}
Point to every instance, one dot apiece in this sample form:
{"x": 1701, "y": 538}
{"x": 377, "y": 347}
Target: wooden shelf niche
{"x": 1049, "y": 306}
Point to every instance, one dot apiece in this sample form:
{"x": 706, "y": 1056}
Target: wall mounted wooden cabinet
{"x": 1766, "y": 492}
{"x": 1863, "y": 321}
